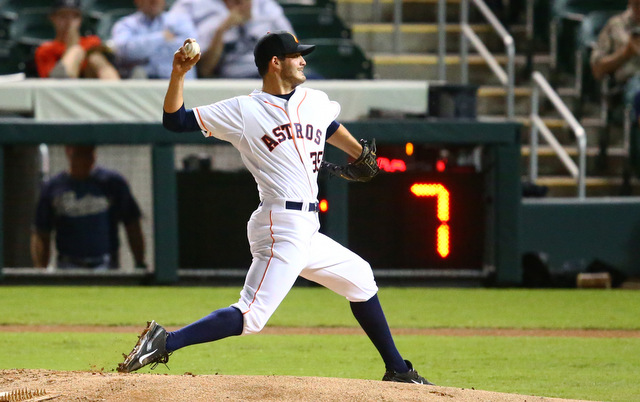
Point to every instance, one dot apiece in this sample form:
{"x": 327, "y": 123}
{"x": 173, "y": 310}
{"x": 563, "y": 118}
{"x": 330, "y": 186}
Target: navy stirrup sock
{"x": 217, "y": 325}
{"x": 371, "y": 318}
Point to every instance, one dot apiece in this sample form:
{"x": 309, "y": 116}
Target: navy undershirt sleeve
{"x": 180, "y": 121}
{"x": 332, "y": 128}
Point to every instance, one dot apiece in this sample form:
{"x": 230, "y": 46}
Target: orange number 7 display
{"x": 442, "y": 205}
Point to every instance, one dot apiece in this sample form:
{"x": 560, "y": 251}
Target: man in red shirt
{"x": 71, "y": 55}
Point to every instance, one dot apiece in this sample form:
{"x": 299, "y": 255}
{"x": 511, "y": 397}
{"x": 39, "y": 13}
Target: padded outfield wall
{"x": 500, "y": 180}
{"x": 567, "y": 231}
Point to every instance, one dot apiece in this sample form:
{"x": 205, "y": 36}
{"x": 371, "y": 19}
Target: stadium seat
{"x": 108, "y": 19}
{"x": 32, "y": 23}
{"x": 108, "y": 5}
{"x": 317, "y": 22}
{"x": 16, "y": 57}
{"x": 336, "y": 58}
{"x": 35, "y": 18}
{"x": 8, "y": 60}
{"x": 5, "y": 23}
{"x": 17, "y": 6}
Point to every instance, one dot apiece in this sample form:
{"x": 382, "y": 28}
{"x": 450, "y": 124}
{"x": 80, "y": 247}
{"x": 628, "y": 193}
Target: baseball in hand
{"x": 192, "y": 49}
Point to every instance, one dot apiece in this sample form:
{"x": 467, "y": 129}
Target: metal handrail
{"x": 397, "y": 23}
{"x": 537, "y": 124}
{"x": 507, "y": 78}
{"x": 442, "y": 40}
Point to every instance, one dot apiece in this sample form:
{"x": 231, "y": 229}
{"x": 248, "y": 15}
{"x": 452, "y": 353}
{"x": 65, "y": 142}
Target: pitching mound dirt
{"x": 99, "y": 386}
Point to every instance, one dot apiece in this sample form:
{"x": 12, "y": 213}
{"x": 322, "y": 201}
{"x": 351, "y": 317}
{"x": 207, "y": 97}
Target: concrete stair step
{"x": 595, "y": 130}
{"x": 492, "y": 100}
{"x": 422, "y": 37}
{"x": 412, "y": 11}
{"x": 594, "y": 127}
{"x": 566, "y": 186}
{"x": 425, "y": 67}
{"x": 611, "y": 164}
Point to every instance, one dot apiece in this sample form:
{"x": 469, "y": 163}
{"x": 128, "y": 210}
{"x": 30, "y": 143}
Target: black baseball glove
{"x": 362, "y": 169}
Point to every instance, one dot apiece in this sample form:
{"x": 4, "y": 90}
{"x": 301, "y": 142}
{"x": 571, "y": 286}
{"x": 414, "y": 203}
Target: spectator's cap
{"x": 71, "y": 4}
{"x": 278, "y": 43}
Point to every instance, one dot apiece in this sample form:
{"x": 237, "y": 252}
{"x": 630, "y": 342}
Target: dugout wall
{"x": 501, "y": 154}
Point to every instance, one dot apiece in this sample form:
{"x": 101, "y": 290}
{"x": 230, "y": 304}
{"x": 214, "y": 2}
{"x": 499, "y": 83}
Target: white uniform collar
{"x": 273, "y": 98}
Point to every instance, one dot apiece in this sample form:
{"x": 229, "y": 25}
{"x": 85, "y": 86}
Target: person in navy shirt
{"x": 84, "y": 206}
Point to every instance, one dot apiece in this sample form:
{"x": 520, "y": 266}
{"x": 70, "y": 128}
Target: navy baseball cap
{"x": 278, "y": 43}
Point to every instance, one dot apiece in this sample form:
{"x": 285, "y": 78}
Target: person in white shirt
{"x": 145, "y": 41}
{"x": 228, "y": 30}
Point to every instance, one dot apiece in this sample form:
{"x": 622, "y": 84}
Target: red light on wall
{"x": 393, "y": 165}
{"x": 323, "y": 205}
{"x": 443, "y": 208}
{"x": 441, "y": 165}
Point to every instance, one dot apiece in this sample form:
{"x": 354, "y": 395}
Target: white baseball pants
{"x": 286, "y": 244}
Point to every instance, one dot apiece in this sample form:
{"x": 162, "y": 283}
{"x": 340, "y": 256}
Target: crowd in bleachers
{"x": 138, "y": 37}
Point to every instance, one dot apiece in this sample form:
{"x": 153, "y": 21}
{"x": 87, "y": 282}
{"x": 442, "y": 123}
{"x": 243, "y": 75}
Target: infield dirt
{"x": 100, "y": 386}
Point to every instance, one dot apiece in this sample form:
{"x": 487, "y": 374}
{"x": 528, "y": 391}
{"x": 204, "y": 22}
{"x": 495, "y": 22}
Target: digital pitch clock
{"x": 426, "y": 209}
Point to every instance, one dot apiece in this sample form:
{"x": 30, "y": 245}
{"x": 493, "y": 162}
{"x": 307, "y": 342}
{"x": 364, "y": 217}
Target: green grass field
{"x": 568, "y": 367}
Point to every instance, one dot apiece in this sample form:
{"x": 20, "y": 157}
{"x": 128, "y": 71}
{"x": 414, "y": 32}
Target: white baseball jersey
{"x": 282, "y": 144}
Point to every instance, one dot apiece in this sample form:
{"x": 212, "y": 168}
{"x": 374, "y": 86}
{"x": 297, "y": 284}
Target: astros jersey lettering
{"x": 281, "y": 141}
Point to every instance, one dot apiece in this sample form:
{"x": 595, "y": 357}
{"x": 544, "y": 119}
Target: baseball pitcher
{"x": 280, "y": 132}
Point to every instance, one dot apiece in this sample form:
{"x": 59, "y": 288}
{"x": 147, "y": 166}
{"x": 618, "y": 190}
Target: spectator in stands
{"x": 84, "y": 205}
{"x": 70, "y": 55}
{"x": 145, "y": 41}
{"x": 617, "y": 51}
{"x": 228, "y": 30}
